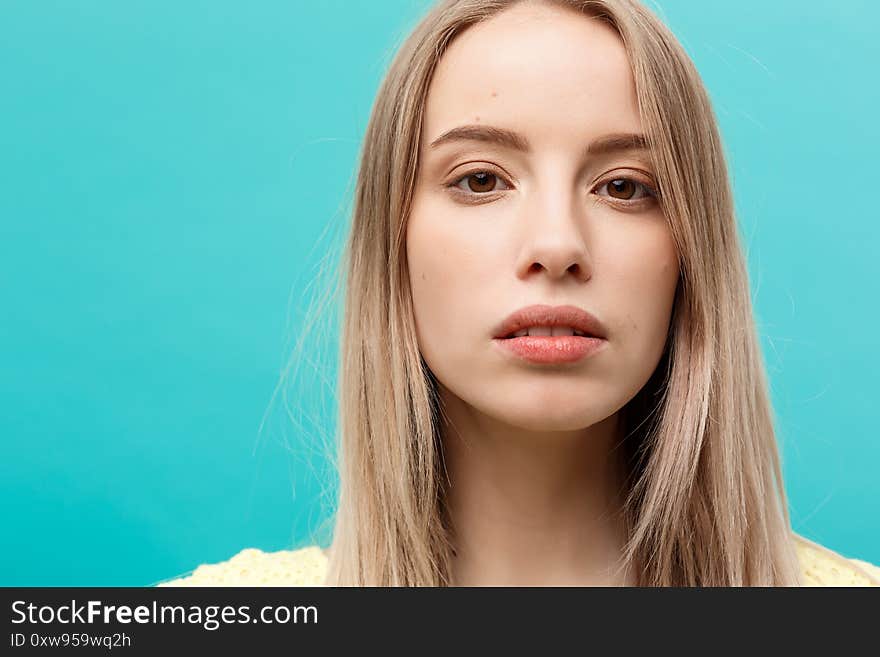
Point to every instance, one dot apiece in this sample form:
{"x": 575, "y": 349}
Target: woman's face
{"x": 495, "y": 227}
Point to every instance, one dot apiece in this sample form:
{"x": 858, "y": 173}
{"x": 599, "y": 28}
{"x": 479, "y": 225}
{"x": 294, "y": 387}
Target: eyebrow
{"x": 611, "y": 143}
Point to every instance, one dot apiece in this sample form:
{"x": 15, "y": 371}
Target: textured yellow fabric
{"x": 253, "y": 567}
{"x": 823, "y": 567}
{"x": 307, "y": 567}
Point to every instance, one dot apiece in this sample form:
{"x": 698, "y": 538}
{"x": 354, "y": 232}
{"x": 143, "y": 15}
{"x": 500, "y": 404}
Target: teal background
{"x": 172, "y": 175}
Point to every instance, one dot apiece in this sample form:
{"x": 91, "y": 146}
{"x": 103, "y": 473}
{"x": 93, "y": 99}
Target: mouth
{"x": 546, "y": 332}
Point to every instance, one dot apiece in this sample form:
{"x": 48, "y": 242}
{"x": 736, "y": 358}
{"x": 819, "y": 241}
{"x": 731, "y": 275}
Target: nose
{"x": 554, "y": 237}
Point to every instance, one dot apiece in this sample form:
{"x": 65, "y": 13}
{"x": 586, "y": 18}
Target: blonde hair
{"x": 705, "y": 503}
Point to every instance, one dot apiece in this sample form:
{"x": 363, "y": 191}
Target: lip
{"x": 551, "y": 349}
{"x": 544, "y": 315}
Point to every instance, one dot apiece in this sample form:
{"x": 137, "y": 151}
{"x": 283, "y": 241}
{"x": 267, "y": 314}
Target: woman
{"x": 561, "y": 158}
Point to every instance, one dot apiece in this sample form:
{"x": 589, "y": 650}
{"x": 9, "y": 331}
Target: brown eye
{"x": 622, "y": 188}
{"x": 482, "y": 185}
{"x": 627, "y": 189}
{"x": 481, "y": 182}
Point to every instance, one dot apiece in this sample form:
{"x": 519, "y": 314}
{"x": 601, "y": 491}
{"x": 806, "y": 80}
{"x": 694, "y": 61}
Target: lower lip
{"x": 552, "y": 349}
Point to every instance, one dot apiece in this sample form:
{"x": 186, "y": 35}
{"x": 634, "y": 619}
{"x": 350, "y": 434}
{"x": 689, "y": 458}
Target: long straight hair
{"x": 705, "y": 503}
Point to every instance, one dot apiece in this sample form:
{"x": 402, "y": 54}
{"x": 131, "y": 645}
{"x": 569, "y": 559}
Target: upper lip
{"x": 543, "y": 315}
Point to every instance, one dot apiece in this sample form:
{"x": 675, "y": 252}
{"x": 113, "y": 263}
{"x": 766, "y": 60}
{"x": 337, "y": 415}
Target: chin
{"x": 552, "y": 418}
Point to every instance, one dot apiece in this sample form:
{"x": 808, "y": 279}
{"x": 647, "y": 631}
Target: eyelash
{"x": 650, "y": 191}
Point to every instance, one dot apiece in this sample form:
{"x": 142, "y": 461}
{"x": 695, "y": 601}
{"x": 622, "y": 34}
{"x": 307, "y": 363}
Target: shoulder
{"x": 823, "y": 567}
{"x": 252, "y": 567}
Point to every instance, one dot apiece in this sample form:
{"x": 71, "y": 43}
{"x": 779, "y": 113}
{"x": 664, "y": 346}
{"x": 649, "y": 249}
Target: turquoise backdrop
{"x": 173, "y": 173}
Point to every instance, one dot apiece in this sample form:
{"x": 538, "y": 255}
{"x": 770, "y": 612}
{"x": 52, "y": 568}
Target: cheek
{"x": 448, "y": 272}
{"x": 643, "y": 271}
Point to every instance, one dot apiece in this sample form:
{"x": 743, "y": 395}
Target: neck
{"x": 527, "y": 507}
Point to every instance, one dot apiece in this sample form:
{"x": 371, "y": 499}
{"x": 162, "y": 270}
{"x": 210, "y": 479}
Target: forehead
{"x": 550, "y": 73}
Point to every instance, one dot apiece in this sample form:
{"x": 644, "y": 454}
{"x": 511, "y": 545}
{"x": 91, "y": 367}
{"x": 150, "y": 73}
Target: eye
{"x": 480, "y": 182}
{"x": 627, "y": 190}
{"x": 622, "y": 190}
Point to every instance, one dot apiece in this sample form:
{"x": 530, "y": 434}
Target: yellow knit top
{"x": 308, "y": 566}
